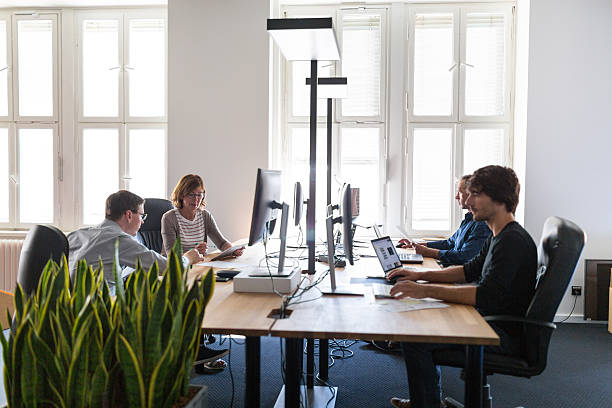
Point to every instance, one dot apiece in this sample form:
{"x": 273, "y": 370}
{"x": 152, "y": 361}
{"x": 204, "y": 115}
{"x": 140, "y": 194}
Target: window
{"x": 107, "y": 135}
{"x": 359, "y": 131}
{"x": 28, "y": 114}
{"x": 122, "y": 109}
{"x": 458, "y": 106}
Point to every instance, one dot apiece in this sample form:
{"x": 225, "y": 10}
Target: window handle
{"x": 452, "y": 67}
{"x": 2, "y": 69}
{"x": 467, "y": 65}
{"x": 13, "y": 179}
{"x": 128, "y": 67}
{"x": 112, "y": 68}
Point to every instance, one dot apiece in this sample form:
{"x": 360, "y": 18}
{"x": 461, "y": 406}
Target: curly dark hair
{"x": 499, "y": 183}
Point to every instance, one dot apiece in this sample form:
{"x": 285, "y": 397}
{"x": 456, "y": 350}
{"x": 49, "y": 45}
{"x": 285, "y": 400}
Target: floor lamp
{"x": 306, "y": 39}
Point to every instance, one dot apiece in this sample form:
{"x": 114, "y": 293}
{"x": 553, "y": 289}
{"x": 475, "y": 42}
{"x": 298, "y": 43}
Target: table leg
{"x": 323, "y": 359}
{"x": 473, "y": 376}
{"x": 310, "y": 363}
{"x": 253, "y": 371}
{"x": 293, "y": 371}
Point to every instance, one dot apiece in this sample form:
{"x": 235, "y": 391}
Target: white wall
{"x": 569, "y": 123}
{"x": 218, "y": 102}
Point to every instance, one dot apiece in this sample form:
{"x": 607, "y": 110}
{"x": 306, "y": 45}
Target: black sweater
{"x": 505, "y": 272}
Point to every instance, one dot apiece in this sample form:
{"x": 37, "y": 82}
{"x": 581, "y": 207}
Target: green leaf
{"x": 134, "y": 385}
{"x": 157, "y": 383}
{"x": 76, "y": 392}
{"x": 48, "y": 361}
{"x": 29, "y": 374}
{"x": 98, "y": 385}
{"x": 119, "y": 290}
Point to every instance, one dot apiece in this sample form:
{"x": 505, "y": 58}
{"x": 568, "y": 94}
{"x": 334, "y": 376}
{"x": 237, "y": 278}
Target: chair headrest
{"x": 155, "y": 208}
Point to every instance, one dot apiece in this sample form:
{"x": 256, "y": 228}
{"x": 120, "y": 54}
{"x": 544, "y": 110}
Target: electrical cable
{"x": 570, "y": 313}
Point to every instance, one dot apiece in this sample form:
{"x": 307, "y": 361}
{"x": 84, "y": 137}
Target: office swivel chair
{"x": 560, "y": 247}
{"x": 150, "y": 232}
{"x": 42, "y": 243}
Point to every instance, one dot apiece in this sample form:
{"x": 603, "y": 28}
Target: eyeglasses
{"x": 143, "y": 216}
{"x": 199, "y": 196}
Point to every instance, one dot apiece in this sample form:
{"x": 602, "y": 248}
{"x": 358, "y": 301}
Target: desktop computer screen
{"x": 265, "y": 204}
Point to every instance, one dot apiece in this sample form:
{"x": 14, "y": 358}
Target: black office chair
{"x": 558, "y": 253}
{"x": 42, "y": 243}
{"x": 150, "y": 232}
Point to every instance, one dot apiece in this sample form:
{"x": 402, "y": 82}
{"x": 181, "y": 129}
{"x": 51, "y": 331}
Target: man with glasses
{"x": 124, "y": 216}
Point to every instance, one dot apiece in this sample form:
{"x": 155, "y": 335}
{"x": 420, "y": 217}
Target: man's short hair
{"x": 121, "y": 201}
{"x": 499, "y": 183}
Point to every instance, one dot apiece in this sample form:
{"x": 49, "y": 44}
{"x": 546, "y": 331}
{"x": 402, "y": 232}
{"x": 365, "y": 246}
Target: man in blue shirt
{"x": 465, "y": 243}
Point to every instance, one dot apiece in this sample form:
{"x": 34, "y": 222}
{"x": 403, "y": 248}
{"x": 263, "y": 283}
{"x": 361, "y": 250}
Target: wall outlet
{"x": 576, "y": 290}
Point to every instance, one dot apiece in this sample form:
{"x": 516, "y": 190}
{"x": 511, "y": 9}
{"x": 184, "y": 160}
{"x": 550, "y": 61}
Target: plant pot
{"x": 198, "y": 400}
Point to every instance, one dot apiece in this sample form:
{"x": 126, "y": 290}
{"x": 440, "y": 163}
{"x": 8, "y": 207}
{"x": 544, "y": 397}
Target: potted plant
{"x": 73, "y": 345}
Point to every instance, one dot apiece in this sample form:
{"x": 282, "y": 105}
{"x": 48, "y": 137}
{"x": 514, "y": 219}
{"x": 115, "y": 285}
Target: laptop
{"x": 386, "y": 253}
{"x": 404, "y": 257}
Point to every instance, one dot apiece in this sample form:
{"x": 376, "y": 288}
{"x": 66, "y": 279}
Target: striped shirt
{"x": 201, "y": 229}
{"x": 192, "y": 232}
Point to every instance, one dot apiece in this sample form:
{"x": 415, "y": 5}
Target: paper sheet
{"x": 224, "y": 265}
{"x": 409, "y": 304}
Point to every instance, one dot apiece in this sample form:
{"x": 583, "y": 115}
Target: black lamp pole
{"x": 312, "y": 192}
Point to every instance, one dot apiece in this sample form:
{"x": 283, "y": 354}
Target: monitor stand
{"x": 336, "y": 290}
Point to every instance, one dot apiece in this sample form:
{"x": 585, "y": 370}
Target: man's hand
{"x": 405, "y": 243}
{"x": 404, "y": 274}
{"x": 405, "y": 288}
{"x": 425, "y": 251}
{"x": 193, "y": 256}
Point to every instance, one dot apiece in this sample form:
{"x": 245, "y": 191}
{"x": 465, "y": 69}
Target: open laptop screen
{"x": 386, "y": 253}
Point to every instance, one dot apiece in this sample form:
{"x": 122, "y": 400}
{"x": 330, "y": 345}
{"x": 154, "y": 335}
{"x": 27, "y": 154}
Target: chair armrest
{"x": 518, "y": 319}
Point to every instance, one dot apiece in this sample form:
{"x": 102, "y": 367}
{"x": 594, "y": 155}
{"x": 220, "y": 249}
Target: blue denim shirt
{"x": 465, "y": 243}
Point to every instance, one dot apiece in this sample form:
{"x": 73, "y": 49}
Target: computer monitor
{"x": 334, "y": 288}
{"x": 298, "y": 202}
{"x": 347, "y": 222}
{"x": 265, "y": 212}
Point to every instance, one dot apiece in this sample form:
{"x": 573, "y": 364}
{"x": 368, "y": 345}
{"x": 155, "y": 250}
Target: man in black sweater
{"x": 503, "y": 276}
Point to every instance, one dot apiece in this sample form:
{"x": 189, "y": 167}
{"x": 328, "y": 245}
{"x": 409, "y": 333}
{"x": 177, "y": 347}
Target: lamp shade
{"x": 305, "y": 39}
{"x": 331, "y": 88}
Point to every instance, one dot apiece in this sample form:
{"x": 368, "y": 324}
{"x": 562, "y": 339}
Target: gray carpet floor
{"x": 579, "y": 374}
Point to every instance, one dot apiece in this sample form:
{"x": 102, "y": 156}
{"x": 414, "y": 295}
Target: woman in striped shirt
{"x": 189, "y": 220}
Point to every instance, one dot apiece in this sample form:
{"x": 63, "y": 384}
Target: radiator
{"x": 10, "y": 250}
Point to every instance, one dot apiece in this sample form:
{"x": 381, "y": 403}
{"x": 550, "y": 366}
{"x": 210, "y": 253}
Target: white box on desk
{"x": 263, "y": 284}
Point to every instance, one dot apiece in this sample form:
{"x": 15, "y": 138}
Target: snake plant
{"x": 74, "y": 345}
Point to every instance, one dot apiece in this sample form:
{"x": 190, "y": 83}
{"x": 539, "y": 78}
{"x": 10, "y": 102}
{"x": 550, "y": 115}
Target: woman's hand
{"x": 201, "y": 247}
{"x": 193, "y": 256}
{"x": 238, "y": 252}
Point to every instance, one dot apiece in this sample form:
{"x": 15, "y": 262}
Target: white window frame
{"x": 458, "y": 121}
{"x": 137, "y": 15}
{"x": 506, "y": 10}
{"x": 382, "y": 12}
{"x": 56, "y": 67}
{"x": 93, "y": 15}
{"x": 126, "y": 165}
{"x": 290, "y": 121}
{"x": 9, "y": 68}
{"x": 56, "y": 192}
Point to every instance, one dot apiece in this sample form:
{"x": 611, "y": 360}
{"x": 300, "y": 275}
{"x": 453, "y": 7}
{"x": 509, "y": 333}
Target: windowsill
{"x": 12, "y": 234}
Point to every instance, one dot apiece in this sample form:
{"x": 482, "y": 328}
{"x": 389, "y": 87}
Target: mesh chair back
{"x": 42, "y": 243}
{"x": 150, "y": 231}
{"x": 558, "y": 253}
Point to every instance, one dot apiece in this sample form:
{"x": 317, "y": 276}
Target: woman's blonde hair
{"x": 186, "y": 185}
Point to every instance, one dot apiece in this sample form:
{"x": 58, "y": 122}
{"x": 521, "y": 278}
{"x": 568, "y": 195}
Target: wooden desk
{"x": 328, "y": 317}
{"x": 241, "y": 313}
